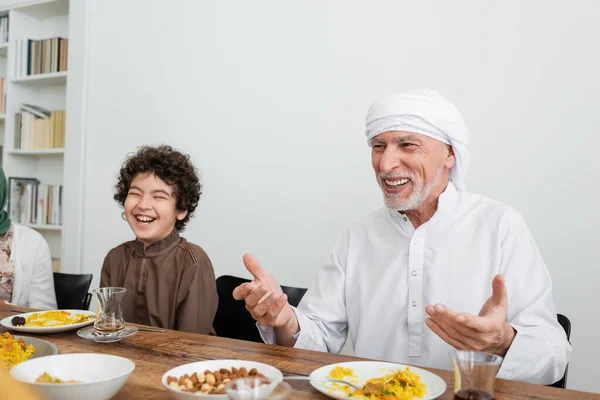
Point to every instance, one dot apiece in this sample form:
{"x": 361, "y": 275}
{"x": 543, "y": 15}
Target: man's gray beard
{"x": 416, "y": 198}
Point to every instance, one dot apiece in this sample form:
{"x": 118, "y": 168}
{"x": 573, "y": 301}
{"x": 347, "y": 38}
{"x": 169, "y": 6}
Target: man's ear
{"x": 450, "y": 158}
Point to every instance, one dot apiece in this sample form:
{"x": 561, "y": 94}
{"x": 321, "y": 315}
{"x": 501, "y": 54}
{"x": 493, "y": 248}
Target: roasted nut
{"x": 243, "y": 372}
{"x": 205, "y": 387}
{"x": 188, "y": 383}
{"x": 194, "y": 378}
{"x": 221, "y": 386}
{"x": 252, "y": 372}
{"x": 174, "y": 385}
{"x": 217, "y": 376}
{"x": 225, "y": 371}
{"x": 234, "y": 370}
{"x": 207, "y": 372}
{"x": 210, "y": 379}
{"x": 201, "y": 378}
{"x": 226, "y": 380}
{"x": 171, "y": 379}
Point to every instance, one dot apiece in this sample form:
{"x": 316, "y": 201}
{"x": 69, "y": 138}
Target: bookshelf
{"x": 37, "y": 21}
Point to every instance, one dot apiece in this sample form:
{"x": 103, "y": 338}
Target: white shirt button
{"x": 405, "y": 219}
{"x": 414, "y": 303}
{"x": 415, "y": 242}
{"x": 414, "y": 273}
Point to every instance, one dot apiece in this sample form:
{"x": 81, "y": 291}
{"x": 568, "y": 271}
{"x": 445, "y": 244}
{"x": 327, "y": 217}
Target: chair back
{"x": 566, "y": 324}
{"x": 72, "y": 291}
{"x": 232, "y": 319}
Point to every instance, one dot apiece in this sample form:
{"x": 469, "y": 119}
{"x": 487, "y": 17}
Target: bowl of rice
{"x": 16, "y": 349}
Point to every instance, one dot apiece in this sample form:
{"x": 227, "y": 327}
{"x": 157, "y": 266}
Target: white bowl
{"x": 274, "y": 375}
{"x": 102, "y": 375}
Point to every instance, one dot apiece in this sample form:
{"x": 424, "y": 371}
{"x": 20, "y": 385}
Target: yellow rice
{"x": 13, "y": 351}
{"x": 404, "y": 385}
{"x": 56, "y": 318}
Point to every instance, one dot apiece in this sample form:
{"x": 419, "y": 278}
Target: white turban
{"x": 428, "y": 113}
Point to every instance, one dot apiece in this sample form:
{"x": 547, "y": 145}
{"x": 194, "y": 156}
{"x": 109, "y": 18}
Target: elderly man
{"x": 435, "y": 269}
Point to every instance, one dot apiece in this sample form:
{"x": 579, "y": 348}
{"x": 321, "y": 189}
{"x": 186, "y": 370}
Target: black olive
{"x": 16, "y": 321}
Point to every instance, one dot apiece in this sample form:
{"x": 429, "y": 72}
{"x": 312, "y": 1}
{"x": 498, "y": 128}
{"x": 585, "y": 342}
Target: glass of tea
{"x": 474, "y": 374}
{"x": 109, "y": 317}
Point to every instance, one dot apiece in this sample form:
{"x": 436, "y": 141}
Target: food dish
{"x": 273, "y": 374}
{"x": 101, "y": 375}
{"x": 41, "y": 347}
{"x": 213, "y": 382}
{"x": 47, "y": 378}
{"x": 13, "y": 350}
{"x": 50, "y": 321}
{"x": 365, "y": 370}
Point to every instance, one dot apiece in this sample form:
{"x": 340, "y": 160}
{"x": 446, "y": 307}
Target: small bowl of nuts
{"x": 208, "y": 378}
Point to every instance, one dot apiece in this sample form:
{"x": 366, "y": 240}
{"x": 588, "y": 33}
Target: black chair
{"x": 232, "y": 319}
{"x": 72, "y": 291}
{"x": 566, "y": 324}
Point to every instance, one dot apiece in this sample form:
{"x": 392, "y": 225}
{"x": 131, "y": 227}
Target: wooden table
{"x": 155, "y": 353}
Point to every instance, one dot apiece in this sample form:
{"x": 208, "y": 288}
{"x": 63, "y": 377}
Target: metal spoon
{"x": 308, "y": 378}
{"x": 143, "y": 328}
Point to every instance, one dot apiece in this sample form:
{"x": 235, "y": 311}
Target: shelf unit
{"x": 53, "y": 79}
{"x": 34, "y": 20}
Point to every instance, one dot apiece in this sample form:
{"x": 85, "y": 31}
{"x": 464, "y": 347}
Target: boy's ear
{"x": 181, "y": 215}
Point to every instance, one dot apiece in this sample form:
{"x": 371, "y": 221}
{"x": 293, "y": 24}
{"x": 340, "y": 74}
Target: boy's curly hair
{"x": 169, "y": 165}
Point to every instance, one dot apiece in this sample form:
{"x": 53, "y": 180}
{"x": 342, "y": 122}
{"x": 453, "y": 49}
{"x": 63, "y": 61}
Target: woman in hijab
{"x": 25, "y": 264}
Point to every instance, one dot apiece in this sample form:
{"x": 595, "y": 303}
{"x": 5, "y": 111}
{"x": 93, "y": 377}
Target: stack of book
{"x": 39, "y": 128}
{"x": 4, "y": 29}
{"x": 40, "y": 56}
{"x": 30, "y": 202}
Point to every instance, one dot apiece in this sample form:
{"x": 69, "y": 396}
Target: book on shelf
{"x": 39, "y": 128}
{"x": 45, "y": 56}
{"x": 31, "y": 202}
{"x": 4, "y": 29}
{"x": 2, "y": 96}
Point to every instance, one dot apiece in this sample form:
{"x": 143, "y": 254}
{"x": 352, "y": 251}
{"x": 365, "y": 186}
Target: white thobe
{"x": 383, "y": 273}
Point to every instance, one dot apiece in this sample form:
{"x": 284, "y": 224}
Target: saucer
{"x": 90, "y": 333}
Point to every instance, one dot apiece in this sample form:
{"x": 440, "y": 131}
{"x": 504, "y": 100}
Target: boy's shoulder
{"x": 193, "y": 251}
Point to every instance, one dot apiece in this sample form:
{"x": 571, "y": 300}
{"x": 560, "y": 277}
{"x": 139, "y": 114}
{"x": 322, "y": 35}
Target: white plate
{"x": 46, "y": 329}
{"x": 274, "y": 375}
{"x": 365, "y": 370}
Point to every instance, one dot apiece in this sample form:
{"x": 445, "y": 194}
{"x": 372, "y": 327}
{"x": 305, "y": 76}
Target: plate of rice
{"x": 378, "y": 381}
{"x": 49, "y": 321}
{"x": 16, "y": 349}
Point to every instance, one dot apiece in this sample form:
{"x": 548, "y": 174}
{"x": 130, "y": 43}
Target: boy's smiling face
{"x": 151, "y": 208}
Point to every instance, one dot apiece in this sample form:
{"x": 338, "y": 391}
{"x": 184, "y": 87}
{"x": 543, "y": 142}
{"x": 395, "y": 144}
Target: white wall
{"x": 269, "y": 98}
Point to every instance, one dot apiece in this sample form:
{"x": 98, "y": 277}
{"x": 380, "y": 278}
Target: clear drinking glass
{"x": 109, "y": 317}
{"x": 257, "y": 388}
{"x": 474, "y": 374}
